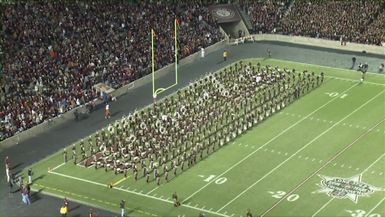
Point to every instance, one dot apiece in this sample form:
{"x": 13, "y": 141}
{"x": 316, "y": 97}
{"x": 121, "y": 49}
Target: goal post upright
{"x": 153, "y": 64}
{"x": 155, "y": 91}
{"x": 176, "y": 26}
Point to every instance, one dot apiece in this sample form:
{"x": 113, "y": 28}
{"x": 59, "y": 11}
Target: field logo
{"x": 342, "y": 188}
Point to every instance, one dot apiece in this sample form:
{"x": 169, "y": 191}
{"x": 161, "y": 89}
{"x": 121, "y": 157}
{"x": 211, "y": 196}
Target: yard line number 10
{"x": 335, "y": 94}
{"x": 218, "y": 181}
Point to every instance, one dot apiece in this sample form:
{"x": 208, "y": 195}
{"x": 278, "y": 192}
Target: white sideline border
{"x": 375, "y": 207}
{"x": 268, "y": 142}
{"x": 365, "y": 170}
{"x": 302, "y": 148}
{"x": 136, "y": 193}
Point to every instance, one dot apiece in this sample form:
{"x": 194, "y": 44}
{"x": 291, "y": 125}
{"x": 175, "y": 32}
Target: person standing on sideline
{"x": 225, "y": 55}
{"x": 7, "y": 163}
{"x": 66, "y": 204}
{"x": 175, "y": 198}
{"x": 7, "y": 173}
{"x": 92, "y": 213}
{"x": 249, "y": 214}
{"x": 353, "y": 62}
{"x": 268, "y": 51}
{"x": 63, "y": 211}
{"x": 202, "y": 52}
{"x": 122, "y": 206}
{"x": 30, "y": 176}
{"x": 107, "y": 113}
{"x": 65, "y": 156}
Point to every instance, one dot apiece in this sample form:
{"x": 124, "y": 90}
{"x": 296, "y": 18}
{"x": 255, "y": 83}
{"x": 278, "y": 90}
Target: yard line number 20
{"x": 280, "y": 194}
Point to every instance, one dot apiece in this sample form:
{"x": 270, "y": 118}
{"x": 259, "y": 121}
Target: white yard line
{"x": 58, "y": 166}
{"x": 352, "y": 80}
{"x": 137, "y": 193}
{"x": 375, "y": 207}
{"x": 305, "y": 146}
{"x": 365, "y": 170}
{"x": 268, "y": 142}
{"x": 153, "y": 190}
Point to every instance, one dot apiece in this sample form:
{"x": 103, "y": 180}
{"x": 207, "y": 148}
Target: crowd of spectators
{"x": 334, "y": 19}
{"x": 55, "y": 52}
{"x": 352, "y": 21}
{"x": 265, "y": 16}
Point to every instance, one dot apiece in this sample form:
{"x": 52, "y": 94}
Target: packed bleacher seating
{"x": 334, "y": 19}
{"x": 56, "y": 51}
{"x": 350, "y": 21}
{"x": 265, "y": 16}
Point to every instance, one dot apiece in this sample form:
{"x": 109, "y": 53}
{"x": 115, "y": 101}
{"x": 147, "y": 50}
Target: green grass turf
{"x": 337, "y": 130}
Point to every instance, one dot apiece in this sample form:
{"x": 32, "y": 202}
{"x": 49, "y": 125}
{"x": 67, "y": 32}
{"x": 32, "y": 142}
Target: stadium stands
{"x": 55, "y": 51}
{"x": 352, "y": 21}
{"x": 335, "y": 19}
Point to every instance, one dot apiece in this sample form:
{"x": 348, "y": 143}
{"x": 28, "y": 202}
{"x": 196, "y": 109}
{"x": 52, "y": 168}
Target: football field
{"x": 323, "y": 155}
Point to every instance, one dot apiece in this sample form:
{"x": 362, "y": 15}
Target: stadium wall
{"x": 324, "y": 43}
